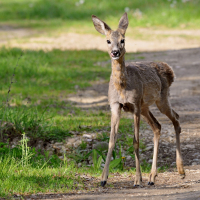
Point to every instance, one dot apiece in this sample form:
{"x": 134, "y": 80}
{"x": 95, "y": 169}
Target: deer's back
{"x": 144, "y": 81}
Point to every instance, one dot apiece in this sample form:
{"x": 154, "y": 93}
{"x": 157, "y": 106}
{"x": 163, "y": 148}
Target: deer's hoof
{"x": 103, "y": 183}
{"x": 182, "y": 176}
{"x": 150, "y": 183}
{"x": 136, "y": 185}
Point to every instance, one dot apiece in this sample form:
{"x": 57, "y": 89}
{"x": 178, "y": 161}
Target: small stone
{"x": 39, "y": 144}
{"x": 87, "y": 136}
{"x": 190, "y": 146}
{"x": 194, "y": 163}
{"x": 77, "y": 143}
{"x": 90, "y": 162}
{"x": 147, "y": 131}
{"x": 79, "y": 164}
{"x": 171, "y": 139}
{"x": 58, "y": 144}
{"x": 150, "y": 144}
{"x": 89, "y": 140}
{"x": 71, "y": 140}
{"x": 61, "y": 157}
{"x": 128, "y": 158}
{"x": 64, "y": 149}
{"x": 68, "y": 145}
{"x": 148, "y": 148}
{"x": 172, "y": 133}
{"x": 142, "y": 157}
{"x": 76, "y": 87}
{"x": 150, "y": 161}
{"x": 73, "y": 132}
{"x": 173, "y": 164}
{"x": 187, "y": 140}
{"x": 100, "y": 146}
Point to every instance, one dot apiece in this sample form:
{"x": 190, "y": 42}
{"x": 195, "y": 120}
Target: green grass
{"x": 50, "y": 124}
{"x": 65, "y": 13}
{"x": 25, "y": 171}
{"x": 41, "y": 81}
{"x": 54, "y": 73}
{"x": 23, "y": 174}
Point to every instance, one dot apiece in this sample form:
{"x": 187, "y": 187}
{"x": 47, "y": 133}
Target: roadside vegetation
{"x": 76, "y": 15}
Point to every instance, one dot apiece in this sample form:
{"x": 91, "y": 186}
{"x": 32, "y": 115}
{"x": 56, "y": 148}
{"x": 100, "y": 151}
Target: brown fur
{"x": 119, "y": 78}
{"x": 165, "y": 71}
{"x": 134, "y": 87}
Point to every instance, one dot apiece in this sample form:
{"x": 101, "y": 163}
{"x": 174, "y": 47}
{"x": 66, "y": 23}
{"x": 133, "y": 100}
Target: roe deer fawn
{"x": 134, "y": 87}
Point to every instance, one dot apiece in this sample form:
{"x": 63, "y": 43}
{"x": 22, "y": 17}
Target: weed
{"x": 80, "y": 156}
{"x": 96, "y": 161}
{"x": 145, "y": 167}
{"x": 163, "y": 168}
{"x": 23, "y": 170}
{"x": 83, "y": 145}
{"x": 26, "y": 154}
{"x": 103, "y": 137}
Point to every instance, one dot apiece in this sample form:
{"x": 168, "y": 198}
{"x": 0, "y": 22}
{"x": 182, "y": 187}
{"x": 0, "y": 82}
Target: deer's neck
{"x": 118, "y": 75}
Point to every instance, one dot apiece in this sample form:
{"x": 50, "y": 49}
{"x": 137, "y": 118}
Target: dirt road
{"x": 138, "y": 39}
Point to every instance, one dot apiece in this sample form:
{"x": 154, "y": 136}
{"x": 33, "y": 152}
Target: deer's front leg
{"x": 115, "y": 110}
{"x": 138, "y": 177}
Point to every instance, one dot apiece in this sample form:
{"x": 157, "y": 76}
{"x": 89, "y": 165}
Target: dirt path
{"x": 138, "y": 39}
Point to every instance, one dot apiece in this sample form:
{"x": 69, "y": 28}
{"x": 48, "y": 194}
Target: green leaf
{"x": 87, "y": 155}
{"x": 101, "y": 154}
{"x": 99, "y": 162}
{"x": 114, "y": 163}
{"x": 94, "y": 158}
{"x": 120, "y": 150}
{"x": 114, "y": 154}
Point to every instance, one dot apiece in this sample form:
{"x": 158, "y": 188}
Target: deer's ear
{"x": 100, "y": 26}
{"x": 123, "y": 23}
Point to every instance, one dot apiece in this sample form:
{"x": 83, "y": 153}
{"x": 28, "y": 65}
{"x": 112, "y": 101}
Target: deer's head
{"x": 115, "y": 39}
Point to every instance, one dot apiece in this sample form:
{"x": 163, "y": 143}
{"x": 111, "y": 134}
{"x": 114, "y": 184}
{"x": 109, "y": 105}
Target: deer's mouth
{"x": 115, "y": 55}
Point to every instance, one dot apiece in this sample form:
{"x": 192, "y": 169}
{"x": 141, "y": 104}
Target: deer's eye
{"x": 108, "y": 41}
{"x": 122, "y": 41}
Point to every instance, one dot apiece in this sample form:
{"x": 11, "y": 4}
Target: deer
{"x": 133, "y": 87}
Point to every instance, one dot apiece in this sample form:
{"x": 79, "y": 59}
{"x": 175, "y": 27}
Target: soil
{"x": 138, "y": 39}
{"x": 185, "y": 100}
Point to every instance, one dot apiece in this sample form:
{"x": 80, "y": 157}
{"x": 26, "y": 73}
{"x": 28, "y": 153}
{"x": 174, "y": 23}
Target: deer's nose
{"x": 116, "y": 53}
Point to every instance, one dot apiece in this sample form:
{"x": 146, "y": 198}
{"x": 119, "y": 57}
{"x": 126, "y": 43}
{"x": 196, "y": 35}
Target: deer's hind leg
{"x": 156, "y": 127}
{"x": 138, "y": 176}
{"x": 165, "y": 107}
